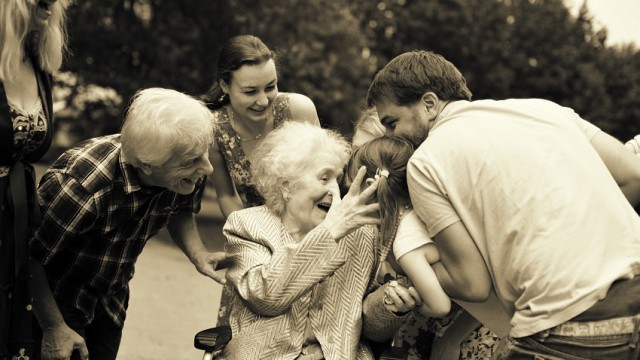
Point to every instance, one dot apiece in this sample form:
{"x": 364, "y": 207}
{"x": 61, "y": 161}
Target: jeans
{"x": 622, "y": 301}
{"x": 102, "y": 336}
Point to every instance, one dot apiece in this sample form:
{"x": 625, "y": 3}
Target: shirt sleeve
{"x": 67, "y": 210}
{"x": 411, "y": 235}
{"x": 429, "y": 196}
{"x": 590, "y": 130}
{"x": 634, "y": 144}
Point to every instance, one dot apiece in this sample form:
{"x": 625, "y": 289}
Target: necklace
{"x": 264, "y": 126}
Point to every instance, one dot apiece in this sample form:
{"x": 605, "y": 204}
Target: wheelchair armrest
{"x": 212, "y": 339}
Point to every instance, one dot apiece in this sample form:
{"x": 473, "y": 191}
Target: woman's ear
{"x": 224, "y": 86}
{"x": 285, "y": 188}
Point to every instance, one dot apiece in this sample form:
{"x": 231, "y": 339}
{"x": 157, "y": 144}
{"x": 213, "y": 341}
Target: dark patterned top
{"x": 25, "y": 136}
{"x": 238, "y": 164}
{"x": 29, "y": 132}
{"x": 96, "y": 218}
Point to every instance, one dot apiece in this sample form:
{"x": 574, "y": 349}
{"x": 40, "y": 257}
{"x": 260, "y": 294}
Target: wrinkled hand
{"x": 401, "y": 298}
{"x": 59, "y": 342}
{"x": 354, "y": 211}
{"x": 206, "y": 263}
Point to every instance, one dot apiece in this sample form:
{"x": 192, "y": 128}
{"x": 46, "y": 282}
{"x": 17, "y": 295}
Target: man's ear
{"x": 146, "y": 169}
{"x": 430, "y": 101}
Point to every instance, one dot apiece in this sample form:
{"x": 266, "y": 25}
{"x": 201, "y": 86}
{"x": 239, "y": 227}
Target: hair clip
{"x": 380, "y": 172}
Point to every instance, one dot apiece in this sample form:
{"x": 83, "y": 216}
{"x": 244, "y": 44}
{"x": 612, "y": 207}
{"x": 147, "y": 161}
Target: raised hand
{"x": 354, "y": 210}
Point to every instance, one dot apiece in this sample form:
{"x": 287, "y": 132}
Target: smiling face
{"x": 180, "y": 174}
{"x": 41, "y": 13}
{"x": 252, "y": 90}
{"x": 310, "y": 198}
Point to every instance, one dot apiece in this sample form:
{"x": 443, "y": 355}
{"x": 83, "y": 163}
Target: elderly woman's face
{"x": 310, "y": 193}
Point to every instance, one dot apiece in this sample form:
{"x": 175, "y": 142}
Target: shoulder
{"x": 301, "y": 107}
{"x": 92, "y": 163}
{"x": 246, "y": 221}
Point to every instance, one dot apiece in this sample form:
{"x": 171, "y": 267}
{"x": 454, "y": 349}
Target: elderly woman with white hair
{"x": 302, "y": 264}
{"x": 32, "y": 46}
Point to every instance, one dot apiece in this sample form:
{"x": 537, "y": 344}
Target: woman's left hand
{"x": 399, "y": 298}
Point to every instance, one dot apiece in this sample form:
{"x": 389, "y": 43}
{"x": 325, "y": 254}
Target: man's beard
{"x": 419, "y": 133}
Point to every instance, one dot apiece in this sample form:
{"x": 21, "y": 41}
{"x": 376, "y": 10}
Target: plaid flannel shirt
{"x": 96, "y": 218}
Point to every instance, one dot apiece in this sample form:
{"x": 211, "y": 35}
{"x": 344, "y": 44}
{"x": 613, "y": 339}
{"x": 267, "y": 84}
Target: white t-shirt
{"x": 552, "y": 225}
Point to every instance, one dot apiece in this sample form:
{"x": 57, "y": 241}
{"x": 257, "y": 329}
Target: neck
{"x": 252, "y": 129}
{"x": 440, "y": 106}
{"x": 291, "y": 227}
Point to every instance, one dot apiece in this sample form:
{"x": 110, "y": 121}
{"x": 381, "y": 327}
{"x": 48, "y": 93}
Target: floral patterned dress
{"x": 239, "y": 168}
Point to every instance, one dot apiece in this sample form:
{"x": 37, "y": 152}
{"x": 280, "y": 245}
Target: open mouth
{"x": 324, "y": 206}
{"x": 191, "y": 180}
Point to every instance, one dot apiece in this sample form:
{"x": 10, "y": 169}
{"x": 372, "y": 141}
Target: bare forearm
{"x": 229, "y": 204}
{"x": 183, "y": 231}
{"x": 456, "y": 288}
{"x": 45, "y": 307}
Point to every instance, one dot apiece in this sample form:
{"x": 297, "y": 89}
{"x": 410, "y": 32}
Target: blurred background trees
{"x": 331, "y": 49}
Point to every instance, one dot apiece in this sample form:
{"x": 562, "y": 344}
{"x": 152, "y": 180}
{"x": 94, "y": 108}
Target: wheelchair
{"x": 213, "y": 340}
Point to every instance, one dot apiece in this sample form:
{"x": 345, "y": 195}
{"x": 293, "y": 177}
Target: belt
{"x": 616, "y": 326}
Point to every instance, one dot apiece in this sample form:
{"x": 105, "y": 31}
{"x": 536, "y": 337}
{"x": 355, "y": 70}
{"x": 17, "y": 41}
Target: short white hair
{"x": 161, "y": 124}
{"x": 286, "y": 153}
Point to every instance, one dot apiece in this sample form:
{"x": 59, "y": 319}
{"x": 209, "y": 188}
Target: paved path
{"x": 170, "y": 300}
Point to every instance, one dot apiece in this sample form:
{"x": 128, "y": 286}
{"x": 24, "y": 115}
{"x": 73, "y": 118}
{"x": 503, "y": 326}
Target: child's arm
{"x": 415, "y": 264}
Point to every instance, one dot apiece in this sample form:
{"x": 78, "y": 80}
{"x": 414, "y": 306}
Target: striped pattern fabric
{"x": 282, "y": 287}
{"x": 96, "y": 219}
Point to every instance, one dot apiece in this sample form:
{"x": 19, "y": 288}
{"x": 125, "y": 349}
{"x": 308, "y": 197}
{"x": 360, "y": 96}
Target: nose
{"x": 205, "y": 165}
{"x": 263, "y": 99}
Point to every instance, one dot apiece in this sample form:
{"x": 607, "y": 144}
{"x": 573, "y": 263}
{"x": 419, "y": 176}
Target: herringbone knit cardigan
{"x": 282, "y": 285}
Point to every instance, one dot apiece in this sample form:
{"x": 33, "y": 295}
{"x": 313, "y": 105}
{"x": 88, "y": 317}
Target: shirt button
{"x": 29, "y": 307}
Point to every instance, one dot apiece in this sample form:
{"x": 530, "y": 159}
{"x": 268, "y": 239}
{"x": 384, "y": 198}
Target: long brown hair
{"x": 235, "y": 52}
{"x": 390, "y": 153}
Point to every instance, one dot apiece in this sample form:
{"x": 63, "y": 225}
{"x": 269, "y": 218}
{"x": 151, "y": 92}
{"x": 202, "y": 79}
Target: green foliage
{"x": 330, "y": 50}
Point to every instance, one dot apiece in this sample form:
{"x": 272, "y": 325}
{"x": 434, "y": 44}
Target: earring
{"x": 221, "y": 98}
{"x": 287, "y": 198}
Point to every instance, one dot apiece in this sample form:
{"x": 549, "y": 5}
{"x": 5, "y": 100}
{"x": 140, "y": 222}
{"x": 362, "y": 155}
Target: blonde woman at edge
{"x": 32, "y": 46}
